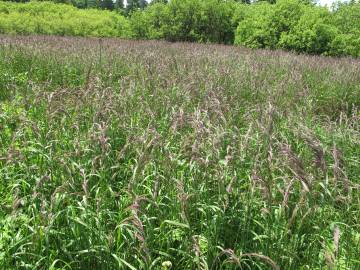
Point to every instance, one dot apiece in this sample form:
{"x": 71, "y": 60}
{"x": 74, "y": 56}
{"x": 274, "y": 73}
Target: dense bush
{"x": 149, "y": 24}
{"x": 289, "y": 24}
{"x": 312, "y": 33}
{"x": 59, "y": 19}
{"x": 347, "y": 19}
{"x": 298, "y": 26}
{"x": 199, "y": 20}
{"x": 254, "y": 30}
{"x": 186, "y": 20}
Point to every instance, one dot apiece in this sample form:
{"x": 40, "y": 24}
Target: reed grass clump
{"x": 150, "y": 155}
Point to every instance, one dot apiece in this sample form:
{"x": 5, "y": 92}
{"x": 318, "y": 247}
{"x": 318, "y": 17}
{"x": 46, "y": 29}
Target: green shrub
{"x": 298, "y": 26}
{"x": 346, "y": 19}
{"x": 286, "y": 15}
{"x": 312, "y": 33}
{"x": 345, "y": 44}
{"x": 254, "y": 30}
{"x": 186, "y": 20}
{"x": 59, "y": 19}
{"x": 295, "y": 25}
{"x": 149, "y": 24}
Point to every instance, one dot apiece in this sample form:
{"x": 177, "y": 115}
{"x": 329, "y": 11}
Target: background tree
{"x": 142, "y": 4}
{"x": 132, "y": 5}
{"x": 244, "y": 1}
{"x": 297, "y": 25}
{"x": 79, "y": 3}
{"x": 56, "y": 1}
{"x": 91, "y": 3}
{"x": 159, "y": 1}
{"x": 119, "y": 4}
{"x": 107, "y": 4}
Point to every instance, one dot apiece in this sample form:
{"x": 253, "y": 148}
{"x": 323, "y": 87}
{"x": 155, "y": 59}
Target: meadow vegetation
{"x": 294, "y": 25}
{"x": 155, "y": 155}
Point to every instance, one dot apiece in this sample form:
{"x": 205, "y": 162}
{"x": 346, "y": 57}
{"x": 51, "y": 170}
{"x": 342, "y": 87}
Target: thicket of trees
{"x": 297, "y": 25}
{"x": 301, "y": 27}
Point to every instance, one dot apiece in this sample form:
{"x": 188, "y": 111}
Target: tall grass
{"x": 151, "y": 155}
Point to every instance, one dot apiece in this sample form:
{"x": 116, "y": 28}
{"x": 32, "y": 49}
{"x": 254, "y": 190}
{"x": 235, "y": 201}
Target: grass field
{"x": 150, "y": 155}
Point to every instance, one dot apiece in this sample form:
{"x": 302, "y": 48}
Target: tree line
{"x": 295, "y": 25}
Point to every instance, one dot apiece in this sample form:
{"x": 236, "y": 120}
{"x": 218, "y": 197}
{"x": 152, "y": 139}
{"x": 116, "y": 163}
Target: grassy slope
{"x": 126, "y": 154}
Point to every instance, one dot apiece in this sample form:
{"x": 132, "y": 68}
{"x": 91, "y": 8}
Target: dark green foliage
{"x": 81, "y": 3}
{"x": 119, "y": 4}
{"x": 142, "y": 4}
{"x": 133, "y": 5}
{"x": 243, "y": 1}
{"x": 107, "y": 4}
{"x": 159, "y": 1}
{"x": 91, "y": 3}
